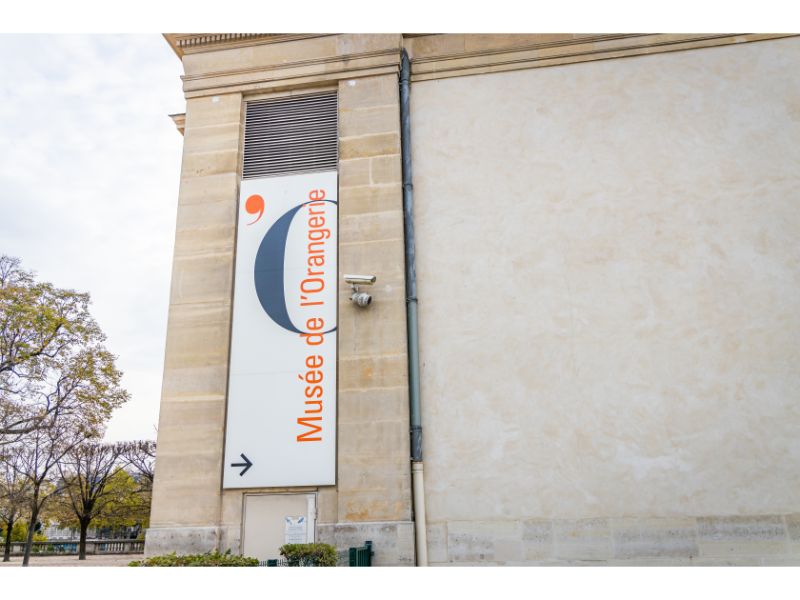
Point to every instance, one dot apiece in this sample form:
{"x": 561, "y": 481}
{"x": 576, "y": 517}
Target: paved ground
{"x": 109, "y": 560}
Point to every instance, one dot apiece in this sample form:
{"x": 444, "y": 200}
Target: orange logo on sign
{"x": 255, "y": 204}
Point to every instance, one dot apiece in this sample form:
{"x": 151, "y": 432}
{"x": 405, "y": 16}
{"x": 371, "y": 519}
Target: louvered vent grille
{"x": 291, "y": 135}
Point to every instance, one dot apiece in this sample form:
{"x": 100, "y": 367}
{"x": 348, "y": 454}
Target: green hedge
{"x": 209, "y": 559}
{"x": 309, "y": 555}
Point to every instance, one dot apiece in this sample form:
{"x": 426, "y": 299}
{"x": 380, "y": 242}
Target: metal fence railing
{"x": 71, "y": 547}
{"x": 361, "y": 556}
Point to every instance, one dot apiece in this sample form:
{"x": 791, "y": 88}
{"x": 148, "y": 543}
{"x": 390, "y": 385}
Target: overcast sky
{"x": 89, "y": 172}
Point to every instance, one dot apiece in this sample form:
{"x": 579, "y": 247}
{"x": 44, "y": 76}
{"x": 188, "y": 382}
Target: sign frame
{"x": 299, "y": 211}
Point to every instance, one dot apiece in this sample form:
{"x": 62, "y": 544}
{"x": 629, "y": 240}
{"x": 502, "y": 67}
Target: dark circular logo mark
{"x": 268, "y": 271}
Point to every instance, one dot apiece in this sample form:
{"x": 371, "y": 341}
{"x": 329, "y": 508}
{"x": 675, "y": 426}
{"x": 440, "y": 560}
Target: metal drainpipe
{"x": 417, "y": 478}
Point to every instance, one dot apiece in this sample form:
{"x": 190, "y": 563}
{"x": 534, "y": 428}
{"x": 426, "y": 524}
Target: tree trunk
{"x": 82, "y": 544}
{"x": 29, "y": 542}
{"x": 7, "y": 551}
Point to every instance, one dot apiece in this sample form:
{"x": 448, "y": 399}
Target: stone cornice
{"x": 188, "y": 43}
{"x": 293, "y": 73}
{"x": 214, "y": 65}
{"x": 292, "y": 63}
{"x": 454, "y": 55}
{"x": 180, "y": 121}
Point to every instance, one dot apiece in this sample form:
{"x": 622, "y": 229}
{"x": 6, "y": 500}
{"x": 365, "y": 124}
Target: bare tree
{"x": 14, "y": 492}
{"x": 86, "y": 470}
{"x": 36, "y": 458}
{"x": 141, "y": 455}
{"x": 52, "y": 357}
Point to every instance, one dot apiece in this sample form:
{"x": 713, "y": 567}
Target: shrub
{"x": 209, "y": 559}
{"x": 309, "y": 555}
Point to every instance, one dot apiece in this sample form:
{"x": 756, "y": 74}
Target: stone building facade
{"x": 609, "y": 296}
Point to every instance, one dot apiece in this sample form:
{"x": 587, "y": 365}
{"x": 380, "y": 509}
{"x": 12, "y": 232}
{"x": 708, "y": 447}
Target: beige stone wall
{"x": 372, "y": 498}
{"x": 186, "y": 496}
{"x": 627, "y": 407}
{"x": 610, "y": 308}
{"x": 373, "y": 441}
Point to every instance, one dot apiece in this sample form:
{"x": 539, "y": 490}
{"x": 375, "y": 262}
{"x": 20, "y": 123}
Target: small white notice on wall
{"x": 295, "y": 531}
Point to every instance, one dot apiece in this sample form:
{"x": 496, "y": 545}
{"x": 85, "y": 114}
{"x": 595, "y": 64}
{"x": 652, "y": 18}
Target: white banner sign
{"x": 281, "y": 423}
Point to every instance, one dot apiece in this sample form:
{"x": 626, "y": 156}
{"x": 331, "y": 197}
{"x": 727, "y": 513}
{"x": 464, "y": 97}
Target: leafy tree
{"x": 36, "y": 458}
{"x": 14, "y": 491}
{"x": 86, "y": 470}
{"x": 130, "y": 504}
{"x": 19, "y": 533}
{"x": 124, "y": 505}
{"x": 52, "y": 359}
{"x": 96, "y": 490}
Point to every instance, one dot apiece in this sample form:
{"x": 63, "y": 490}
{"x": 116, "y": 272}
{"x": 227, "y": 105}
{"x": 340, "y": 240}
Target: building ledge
{"x": 188, "y": 43}
{"x": 180, "y": 121}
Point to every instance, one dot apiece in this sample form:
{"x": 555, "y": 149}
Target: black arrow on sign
{"x": 246, "y": 464}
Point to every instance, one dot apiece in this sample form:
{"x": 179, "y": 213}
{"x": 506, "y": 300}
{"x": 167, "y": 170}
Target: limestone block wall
{"x": 610, "y": 309}
{"x": 373, "y": 446}
{"x": 186, "y": 494}
{"x": 608, "y": 286}
{"x": 372, "y": 498}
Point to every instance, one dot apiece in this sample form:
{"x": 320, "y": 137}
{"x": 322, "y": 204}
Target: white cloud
{"x": 89, "y": 172}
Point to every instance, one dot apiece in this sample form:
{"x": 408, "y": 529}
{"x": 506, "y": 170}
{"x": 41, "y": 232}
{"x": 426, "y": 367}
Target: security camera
{"x": 359, "y": 298}
{"x": 360, "y": 279}
{"x": 362, "y": 299}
